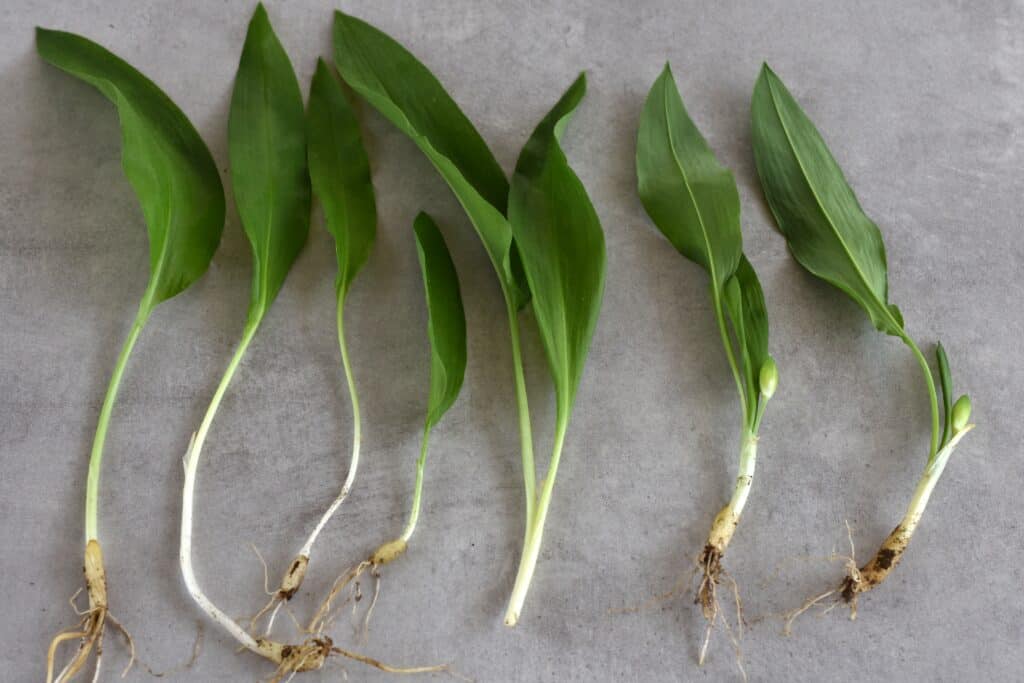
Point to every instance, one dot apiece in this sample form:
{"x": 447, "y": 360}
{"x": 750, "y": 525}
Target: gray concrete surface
{"x": 922, "y": 103}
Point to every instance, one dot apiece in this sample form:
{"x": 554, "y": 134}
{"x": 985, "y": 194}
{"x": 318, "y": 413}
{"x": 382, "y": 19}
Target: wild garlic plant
{"x": 267, "y": 150}
{"x": 446, "y": 331}
{"x": 176, "y": 181}
{"x": 694, "y": 202}
{"x": 830, "y": 235}
{"x": 339, "y": 171}
{"x": 541, "y": 233}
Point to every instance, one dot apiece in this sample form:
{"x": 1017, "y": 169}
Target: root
{"x": 323, "y": 616}
{"x": 712, "y": 574}
{"x": 858, "y": 579}
{"x": 92, "y": 627}
{"x": 290, "y": 584}
{"x": 678, "y": 589}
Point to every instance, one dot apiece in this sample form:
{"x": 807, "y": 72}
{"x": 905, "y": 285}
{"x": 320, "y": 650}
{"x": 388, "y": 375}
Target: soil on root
{"x": 92, "y": 627}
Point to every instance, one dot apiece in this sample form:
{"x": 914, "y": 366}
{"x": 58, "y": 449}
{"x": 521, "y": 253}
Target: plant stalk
{"x": 525, "y": 430}
{"x": 353, "y": 467}
{"x": 191, "y": 464}
{"x": 932, "y": 396}
{"x": 535, "y": 529}
{"x": 92, "y": 482}
{"x": 724, "y": 525}
{"x": 417, "y": 494}
{"x": 895, "y": 545}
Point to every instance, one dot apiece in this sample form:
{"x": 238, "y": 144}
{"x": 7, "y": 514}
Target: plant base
{"x": 92, "y": 627}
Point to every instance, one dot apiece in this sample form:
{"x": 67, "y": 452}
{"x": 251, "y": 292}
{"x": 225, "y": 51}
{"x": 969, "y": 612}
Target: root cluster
{"x": 858, "y": 579}
{"x": 712, "y": 573}
{"x": 90, "y": 630}
{"x": 314, "y": 651}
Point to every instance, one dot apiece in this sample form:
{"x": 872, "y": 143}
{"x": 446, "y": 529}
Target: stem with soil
{"x": 892, "y": 549}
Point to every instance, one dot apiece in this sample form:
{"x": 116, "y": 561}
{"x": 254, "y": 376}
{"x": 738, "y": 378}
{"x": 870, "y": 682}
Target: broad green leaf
{"x": 447, "y": 321}
{"x": 814, "y": 207}
{"x": 267, "y": 146}
{"x": 340, "y": 172}
{"x": 690, "y": 197}
{"x": 562, "y": 247}
{"x": 164, "y": 159}
{"x": 405, "y": 92}
{"x": 946, "y": 380}
{"x": 744, "y": 301}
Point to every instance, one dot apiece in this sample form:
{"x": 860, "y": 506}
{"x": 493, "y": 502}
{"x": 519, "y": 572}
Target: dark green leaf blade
{"x": 340, "y": 173}
{"x": 814, "y": 207}
{"x": 946, "y": 380}
{"x": 562, "y": 246}
{"x": 447, "y": 320}
{"x": 167, "y": 163}
{"x": 690, "y": 197}
{"x": 405, "y": 92}
{"x": 267, "y": 146}
{"x": 744, "y": 301}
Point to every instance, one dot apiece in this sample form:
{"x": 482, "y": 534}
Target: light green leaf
{"x": 267, "y": 146}
{"x": 814, "y": 207}
{"x": 164, "y": 159}
{"x": 340, "y": 174}
{"x": 690, "y": 197}
{"x": 447, "y": 321}
{"x": 402, "y": 89}
{"x": 562, "y": 247}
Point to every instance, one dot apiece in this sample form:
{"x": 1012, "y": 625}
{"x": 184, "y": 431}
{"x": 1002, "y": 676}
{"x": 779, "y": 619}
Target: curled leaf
{"x": 164, "y": 159}
{"x": 340, "y": 173}
{"x": 267, "y": 146}
{"x": 562, "y": 247}
{"x": 447, "y": 320}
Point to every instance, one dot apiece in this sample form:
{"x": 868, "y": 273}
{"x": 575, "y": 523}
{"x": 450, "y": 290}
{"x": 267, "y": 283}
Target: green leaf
{"x": 744, "y": 300}
{"x": 267, "y": 146}
{"x": 814, "y": 207}
{"x": 562, "y": 246}
{"x": 690, "y": 197}
{"x": 340, "y": 173}
{"x": 946, "y": 380}
{"x": 447, "y": 321}
{"x": 166, "y": 162}
{"x": 405, "y": 92}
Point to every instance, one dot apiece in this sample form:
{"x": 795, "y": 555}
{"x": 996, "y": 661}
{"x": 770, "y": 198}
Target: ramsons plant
{"x": 177, "y": 184}
{"x": 693, "y": 200}
{"x": 830, "y": 235}
{"x": 541, "y": 234}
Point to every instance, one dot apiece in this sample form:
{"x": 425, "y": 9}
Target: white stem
{"x": 927, "y": 482}
{"x": 745, "y": 475}
{"x": 185, "y": 558}
{"x": 724, "y": 525}
{"x": 191, "y": 463}
{"x": 535, "y": 533}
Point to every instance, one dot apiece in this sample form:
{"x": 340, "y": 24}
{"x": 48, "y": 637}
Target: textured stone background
{"x": 921, "y": 102}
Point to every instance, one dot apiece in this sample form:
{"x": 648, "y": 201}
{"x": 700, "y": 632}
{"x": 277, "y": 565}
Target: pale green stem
{"x": 414, "y": 513}
{"x": 353, "y": 466}
{"x": 927, "y": 482}
{"x": 932, "y": 397}
{"x": 525, "y": 432}
{"x": 535, "y": 529}
{"x": 92, "y": 482}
